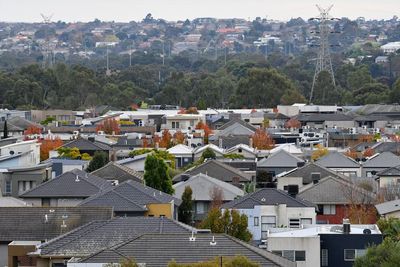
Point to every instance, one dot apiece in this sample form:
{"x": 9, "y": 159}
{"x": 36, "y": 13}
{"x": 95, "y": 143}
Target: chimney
{"x": 251, "y": 142}
{"x": 346, "y": 226}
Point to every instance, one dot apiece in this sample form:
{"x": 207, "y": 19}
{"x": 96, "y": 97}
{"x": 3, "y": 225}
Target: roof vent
{"x": 77, "y": 178}
{"x": 213, "y": 242}
{"x": 263, "y": 199}
{"x": 366, "y": 231}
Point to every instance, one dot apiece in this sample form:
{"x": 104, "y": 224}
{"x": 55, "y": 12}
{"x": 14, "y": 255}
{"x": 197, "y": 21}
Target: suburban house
{"x": 136, "y": 163}
{"x": 68, "y": 189}
{"x": 270, "y": 207}
{"x": 17, "y": 180}
{"x": 87, "y": 146}
{"x": 61, "y": 165}
{"x": 307, "y": 174}
{"x": 118, "y": 173}
{"x": 204, "y": 189}
{"x": 277, "y": 163}
{"x": 101, "y": 234}
{"x": 389, "y": 178}
{"x": 132, "y": 198}
{"x": 340, "y": 163}
{"x": 183, "y": 155}
{"x": 23, "y": 228}
{"x": 276, "y": 120}
{"x": 338, "y": 198}
{"x": 389, "y": 209}
{"x": 218, "y": 170}
{"x": 182, "y": 248}
{"x": 230, "y": 141}
{"x": 181, "y": 121}
{"x": 325, "y": 120}
{"x": 379, "y": 162}
{"x": 245, "y": 151}
{"x": 20, "y": 154}
{"x": 336, "y": 245}
{"x": 219, "y": 152}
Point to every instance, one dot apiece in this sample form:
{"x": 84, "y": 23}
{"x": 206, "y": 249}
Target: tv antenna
{"x": 323, "y": 60}
{"x": 48, "y": 53}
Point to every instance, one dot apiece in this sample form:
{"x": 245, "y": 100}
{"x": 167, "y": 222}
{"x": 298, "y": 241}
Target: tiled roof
{"x": 98, "y": 235}
{"x": 394, "y": 171}
{"x": 266, "y": 197}
{"x": 393, "y": 147}
{"x": 218, "y": 170}
{"x": 333, "y": 190}
{"x": 160, "y": 249}
{"x": 203, "y": 185}
{"x": 382, "y": 160}
{"x": 84, "y": 144}
{"x": 180, "y": 149}
{"x": 388, "y": 207}
{"x": 129, "y": 196}
{"x": 230, "y": 140}
{"x": 30, "y": 223}
{"x": 309, "y": 117}
{"x": 280, "y": 159}
{"x": 115, "y": 171}
{"x": 237, "y": 121}
{"x": 336, "y": 159}
{"x": 308, "y": 169}
{"x": 75, "y": 183}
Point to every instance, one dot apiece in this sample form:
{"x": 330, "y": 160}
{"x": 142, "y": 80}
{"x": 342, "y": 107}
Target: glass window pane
{"x": 300, "y": 255}
{"x": 288, "y": 254}
{"x": 349, "y": 254}
{"x": 324, "y": 257}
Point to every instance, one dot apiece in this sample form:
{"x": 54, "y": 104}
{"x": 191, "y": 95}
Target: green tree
{"x": 99, "y": 160}
{"x": 156, "y": 174}
{"x": 185, "y": 212}
{"x": 237, "y": 261}
{"x": 383, "y": 255}
{"x": 292, "y": 96}
{"x": 230, "y": 222}
{"x": 208, "y": 154}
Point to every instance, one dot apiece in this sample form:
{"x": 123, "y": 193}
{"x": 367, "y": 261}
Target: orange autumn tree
{"x": 293, "y": 123}
{"x": 31, "y": 130}
{"x": 145, "y": 143}
{"x": 179, "y": 137}
{"x": 369, "y": 152}
{"x": 351, "y": 153}
{"x": 262, "y": 140}
{"x": 47, "y": 145}
{"x": 166, "y": 139}
{"x": 207, "y": 131}
{"x": 109, "y": 126}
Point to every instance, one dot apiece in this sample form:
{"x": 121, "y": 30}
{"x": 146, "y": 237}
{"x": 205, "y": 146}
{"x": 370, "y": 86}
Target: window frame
{"x": 256, "y": 221}
{"x": 324, "y": 257}
{"x": 357, "y": 253}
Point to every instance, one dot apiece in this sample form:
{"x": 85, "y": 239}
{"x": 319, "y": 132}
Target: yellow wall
{"x": 157, "y": 210}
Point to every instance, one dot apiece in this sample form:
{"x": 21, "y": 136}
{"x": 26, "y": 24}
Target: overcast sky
{"x": 128, "y": 10}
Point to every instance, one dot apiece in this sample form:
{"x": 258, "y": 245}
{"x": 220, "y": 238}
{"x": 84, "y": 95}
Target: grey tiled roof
{"x": 159, "y": 249}
{"x": 388, "y": 207}
{"x": 394, "y": 171}
{"x": 115, "y": 171}
{"x": 309, "y": 117}
{"x": 280, "y": 159}
{"x": 308, "y": 169}
{"x": 218, "y": 170}
{"x": 393, "y": 147}
{"x": 98, "y": 235}
{"x": 231, "y": 140}
{"x": 383, "y": 160}
{"x": 237, "y": 121}
{"x": 129, "y": 196}
{"x": 75, "y": 183}
{"x": 336, "y": 159}
{"x": 266, "y": 197}
{"x": 333, "y": 190}
{"x": 84, "y": 144}
{"x": 29, "y": 223}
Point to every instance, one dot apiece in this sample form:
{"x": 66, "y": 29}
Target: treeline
{"x": 238, "y": 82}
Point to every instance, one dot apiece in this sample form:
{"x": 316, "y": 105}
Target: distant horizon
{"x": 73, "y": 11}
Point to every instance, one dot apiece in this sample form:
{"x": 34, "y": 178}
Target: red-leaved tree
{"x": 109, "y": 126}
{"x": 47, "y": 145}
{"x": 262, "y": 140}
{"x": 207, "y": 131}
{"x": 166, "y": 139}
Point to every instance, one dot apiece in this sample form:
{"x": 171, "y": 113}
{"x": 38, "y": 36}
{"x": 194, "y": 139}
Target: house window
{"x": 200, "y": 208}
{"x": 305, "y": 221}
{"x": 240, "y": 150}
{"x": 256, "y": 221}
{"x": 292, "y": 255}
{"x": 8, "y": 187}
{"x": 352, "y": 254}
{"x": 266, "y": 223}
{"x": 294, "y": 223}
{"x": 324, "y": 257}
{"x": 175, "y": 125}
{"x": 329, "y": 209}
{"x": 45, "y": 202}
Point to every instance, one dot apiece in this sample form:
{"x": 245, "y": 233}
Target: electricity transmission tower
{"x": 323, "y": 59}
{"x": 47, "y": 54}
